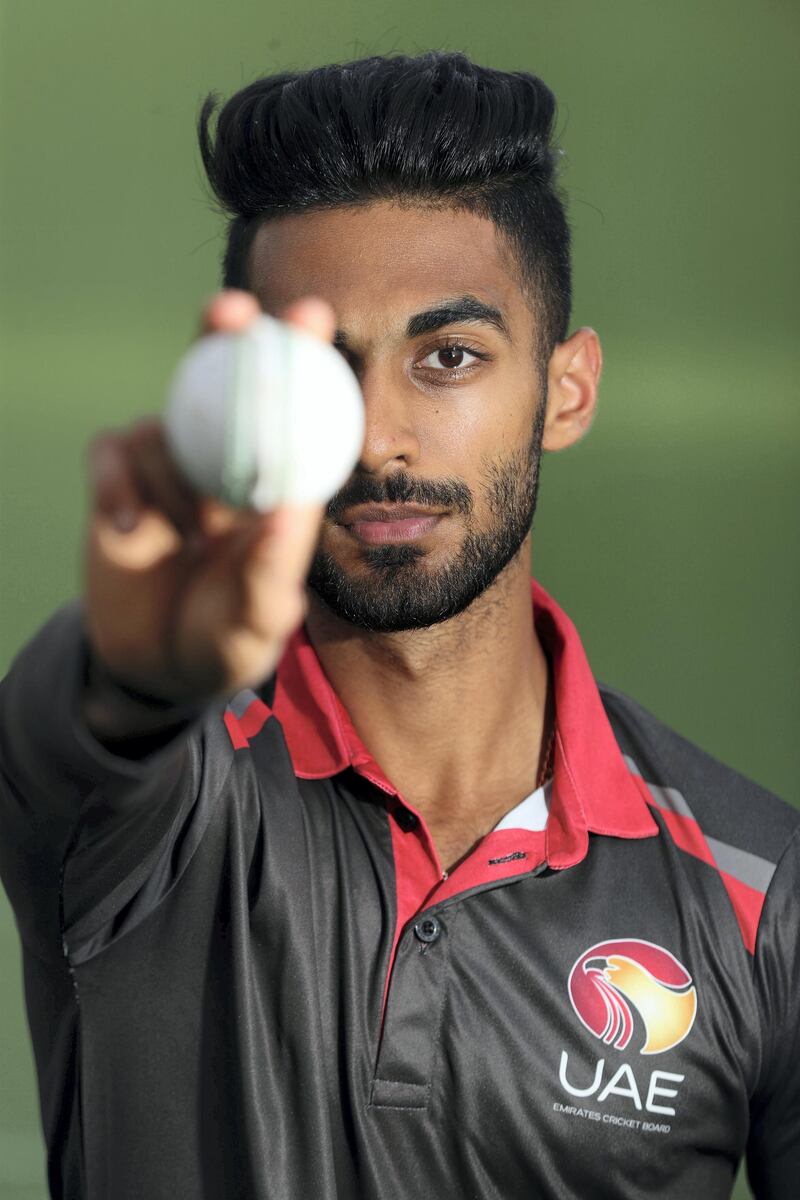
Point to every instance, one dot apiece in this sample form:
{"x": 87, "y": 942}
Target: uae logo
{"x": 633, "y": 990}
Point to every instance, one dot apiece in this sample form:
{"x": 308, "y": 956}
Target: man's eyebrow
{"x": 447, "y": 312}
{"x": 453, "y": 312}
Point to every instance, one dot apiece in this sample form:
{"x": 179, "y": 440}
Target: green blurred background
{"x": 669, "y": 535}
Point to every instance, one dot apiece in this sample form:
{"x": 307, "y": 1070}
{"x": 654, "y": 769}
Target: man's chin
{"x": 365, "y": 608}
{"x": 387, "y": 593}
{"x": 393, "y": 591}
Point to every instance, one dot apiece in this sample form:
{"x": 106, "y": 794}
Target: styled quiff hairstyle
{"x": 435, "y": 129}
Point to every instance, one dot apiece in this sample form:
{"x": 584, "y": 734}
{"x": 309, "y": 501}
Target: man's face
{"x": 432, "y": 320}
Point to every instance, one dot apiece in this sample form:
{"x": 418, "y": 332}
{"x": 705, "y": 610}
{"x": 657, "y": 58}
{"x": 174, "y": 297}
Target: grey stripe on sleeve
{"x": 750, "y": 869}
{"x": 241, "y": 702}
{"x": 665, "y": 797}
{"x": 746, "y": 867}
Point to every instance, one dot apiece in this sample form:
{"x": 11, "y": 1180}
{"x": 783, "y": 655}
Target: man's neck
{"x": 453, "y": 714}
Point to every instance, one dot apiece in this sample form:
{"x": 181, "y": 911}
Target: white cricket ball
{"x": 266, "y": 416}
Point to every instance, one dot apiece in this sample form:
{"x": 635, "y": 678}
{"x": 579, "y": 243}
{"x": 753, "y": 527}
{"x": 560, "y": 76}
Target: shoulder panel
{"x": 711, "y": 811}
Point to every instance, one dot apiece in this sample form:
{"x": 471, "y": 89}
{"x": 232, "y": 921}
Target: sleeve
{"x": 773, "y": 1149}
{"x": 61, "y": 789}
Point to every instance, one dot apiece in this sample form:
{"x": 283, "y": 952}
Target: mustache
{"x": 401, "y": 488}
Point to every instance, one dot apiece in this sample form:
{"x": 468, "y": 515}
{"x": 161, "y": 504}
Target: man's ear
{"x": 573, "y": 376}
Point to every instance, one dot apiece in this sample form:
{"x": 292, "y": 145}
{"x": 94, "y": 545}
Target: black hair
{"x": 435, "y": 129}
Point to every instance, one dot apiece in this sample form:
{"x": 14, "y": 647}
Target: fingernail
{"x": 124, "y": 520}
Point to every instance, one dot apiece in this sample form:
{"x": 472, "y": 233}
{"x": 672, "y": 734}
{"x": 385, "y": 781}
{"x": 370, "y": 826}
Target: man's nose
{"x": 390, "y": 431}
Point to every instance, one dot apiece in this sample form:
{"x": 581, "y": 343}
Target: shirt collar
{"x": 593, "y": 790}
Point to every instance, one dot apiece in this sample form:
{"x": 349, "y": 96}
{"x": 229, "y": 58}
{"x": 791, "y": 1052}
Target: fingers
{"x": 151, "y": 541}
{"x": 229, "y": 311}
{"x": 158, "y": 478}
{"x": 312, "y": 314}
{"x": 132, "y": 471}
{"x": 232, "y": 310}
{"x": 116, "y": 497}
{"x": 247, "y": 599}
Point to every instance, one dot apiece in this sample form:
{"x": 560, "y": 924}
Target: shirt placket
{"x": 419, "y": 967}
{"x": 413, "y": 1019}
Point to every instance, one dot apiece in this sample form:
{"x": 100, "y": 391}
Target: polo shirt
{"x": 247, "y": 975}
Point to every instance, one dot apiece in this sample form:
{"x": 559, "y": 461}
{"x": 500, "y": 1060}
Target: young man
{"x": 336, "y": 875}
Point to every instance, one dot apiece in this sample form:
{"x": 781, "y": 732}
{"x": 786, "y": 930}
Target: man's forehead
{"x": 380, "y": 264}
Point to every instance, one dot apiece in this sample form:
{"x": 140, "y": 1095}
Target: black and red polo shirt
{"x": 248, "y": 978}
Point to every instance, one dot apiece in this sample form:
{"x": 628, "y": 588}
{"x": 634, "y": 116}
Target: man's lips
{"x": 390, "y": 523}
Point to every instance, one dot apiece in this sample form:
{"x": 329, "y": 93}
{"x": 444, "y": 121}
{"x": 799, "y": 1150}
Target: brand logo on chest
{"x": 613, "y": 980}
{"x": 631, "y": 995}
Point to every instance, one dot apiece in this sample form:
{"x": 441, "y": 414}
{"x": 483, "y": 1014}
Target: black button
{"x": 428, "y": 929}
{"x": 406, "y": 819}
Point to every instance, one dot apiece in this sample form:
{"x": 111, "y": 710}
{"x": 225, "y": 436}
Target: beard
{"x": 397, "y": 591}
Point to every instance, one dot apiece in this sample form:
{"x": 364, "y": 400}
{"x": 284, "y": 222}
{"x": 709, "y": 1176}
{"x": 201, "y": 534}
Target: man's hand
{"x": 187, "y": 599}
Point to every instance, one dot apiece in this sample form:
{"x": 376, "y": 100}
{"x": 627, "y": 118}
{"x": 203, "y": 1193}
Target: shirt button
{"x": 428, "y": 929}
{"x": 406, "y": 819}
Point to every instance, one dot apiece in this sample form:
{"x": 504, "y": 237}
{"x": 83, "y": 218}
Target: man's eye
{"x": 449, "y": 358}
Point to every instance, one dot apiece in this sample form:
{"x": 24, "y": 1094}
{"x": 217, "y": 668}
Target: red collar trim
{"x": 308, "y": 709}
{"x": 593, "y": 790}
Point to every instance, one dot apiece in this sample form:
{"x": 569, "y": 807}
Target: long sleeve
{"x": 57, "y": 783}
{"x": 773, "y": 1152}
